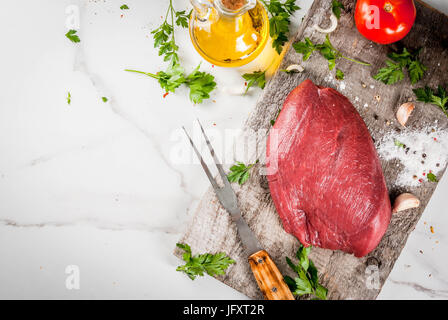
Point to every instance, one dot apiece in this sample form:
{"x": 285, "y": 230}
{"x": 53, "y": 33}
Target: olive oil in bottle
{"x": 229, "y": 33}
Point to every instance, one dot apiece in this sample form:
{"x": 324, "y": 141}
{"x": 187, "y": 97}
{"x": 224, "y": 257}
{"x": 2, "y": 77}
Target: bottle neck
{"x": 234, "y": 8}
{"x": 225, "y": 8}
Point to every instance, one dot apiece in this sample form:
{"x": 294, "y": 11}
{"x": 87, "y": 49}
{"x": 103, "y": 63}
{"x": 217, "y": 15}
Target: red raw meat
{"x": 324, "y": 173}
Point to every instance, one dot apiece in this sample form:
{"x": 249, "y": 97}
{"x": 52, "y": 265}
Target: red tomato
{"x": 384, "y": 21}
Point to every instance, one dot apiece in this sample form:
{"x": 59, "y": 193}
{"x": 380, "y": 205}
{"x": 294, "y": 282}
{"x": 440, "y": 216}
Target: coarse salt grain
{"x": 424, "y": 154}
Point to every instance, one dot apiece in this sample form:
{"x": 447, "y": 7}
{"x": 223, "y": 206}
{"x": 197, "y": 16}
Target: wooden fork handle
{"x": 268, "y": 277}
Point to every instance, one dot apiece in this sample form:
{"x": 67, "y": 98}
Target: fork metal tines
{"x": 215, "y": 159}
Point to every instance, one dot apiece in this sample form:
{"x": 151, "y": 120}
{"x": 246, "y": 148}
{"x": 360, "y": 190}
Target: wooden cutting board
{"x": 345, "y": 276}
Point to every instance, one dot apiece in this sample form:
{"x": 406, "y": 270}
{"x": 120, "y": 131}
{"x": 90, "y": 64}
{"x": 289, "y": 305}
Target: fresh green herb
{"x": 432, "y": 177}
{"x": 212, "y": 264}
{"x": 336, "y": 7}
{"x": 339, "y": 75}
{"x": 326, "y": 49}
{"x": 182, "y": 18}
{"x": 164, "y": 34}
{"x": 275, "y": 117}
{"x": 390, "y": 74}
{"x": 307, "y": 281}
{"x": 394, "y": 73}
{"x": 256, "y": 78}
{"x": 170, "y": 79}
{"x": 398, "y": 144}
{"x": 438, "y": 98}
{"x": 239, "y": 172}
{"x": 279, "y": 21}
{"x": 72, "y": 36}
{"x": 124, "y": 7}
{"x": 69, "y": 98}
{"x": 104, "y": 99}
{"x": 200, "y": 83}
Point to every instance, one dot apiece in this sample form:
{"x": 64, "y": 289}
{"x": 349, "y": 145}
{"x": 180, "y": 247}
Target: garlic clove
{"x": 405, "y": 201}
{"x": 404, "y": 111}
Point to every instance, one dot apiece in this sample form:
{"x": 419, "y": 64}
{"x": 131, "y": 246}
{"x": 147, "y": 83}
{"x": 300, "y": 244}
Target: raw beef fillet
{"x": 324, "y": 173}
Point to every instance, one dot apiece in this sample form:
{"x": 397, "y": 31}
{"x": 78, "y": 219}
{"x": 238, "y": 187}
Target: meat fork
{"x": 269, "y": 279}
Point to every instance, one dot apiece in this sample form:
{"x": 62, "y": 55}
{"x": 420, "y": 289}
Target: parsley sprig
{"x": 399, "y": 144}
{"x": 164, "y": 35}
{"x": 257, "y": 78}
{"x": 279, "y": 21}
{"x": 326, "y": 49}
{"x": 307, "y": 281}
{"x": 200, "y": 83}
{"x": 72, "y": 36}
{"x": 336, "y": 7}
{"x": 432, "y": 177}
{"x": 339, "y": 74}
{"x": 212, "y": 264}
{"x": 394, "y": 73}
{"x": 69, "y": 98}
{"x": 239, "y": 172}
{"x": 438, "y": 97}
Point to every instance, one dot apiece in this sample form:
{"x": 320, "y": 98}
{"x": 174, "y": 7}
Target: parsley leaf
{"x": 307, "y": 281}
{"x": 256, "y": 78}
{"x": 398, "y": 144}
{"x": 306, "y": 48}
{"x": 165, "y": 32}
{"x": 393, "y": 72}
{"x": 326, "y": 49}
{"x": 432, "y": 177}
{"x": 182, "y": 18}
{"x": 104, "y": 99}
{"x": 200, "y": 84}
{"x": 239, "y": 172}
{"x": 124, "y": 7}
{"x": 438, "y": 98}
{"x": 279, "y": 21}
{"x": 336, "y": 7}
{"x": 172, "y": 78}
{"x": 390, "y": 74}
{"x": 69, "y": 98}
{"x": 275, "y": 117}
{"x": 416, "y": 71}
{"x": 424, "y": 94}
{"x": 212, "y": 264}
{"x": 72, "y": 36}
{"x": 339, "y": 75}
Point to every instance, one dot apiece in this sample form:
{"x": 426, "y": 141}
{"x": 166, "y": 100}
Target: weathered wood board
{"x": 344, "y": 275}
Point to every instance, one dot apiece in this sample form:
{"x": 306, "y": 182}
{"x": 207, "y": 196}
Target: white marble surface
{"x": 94, "y": 184}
